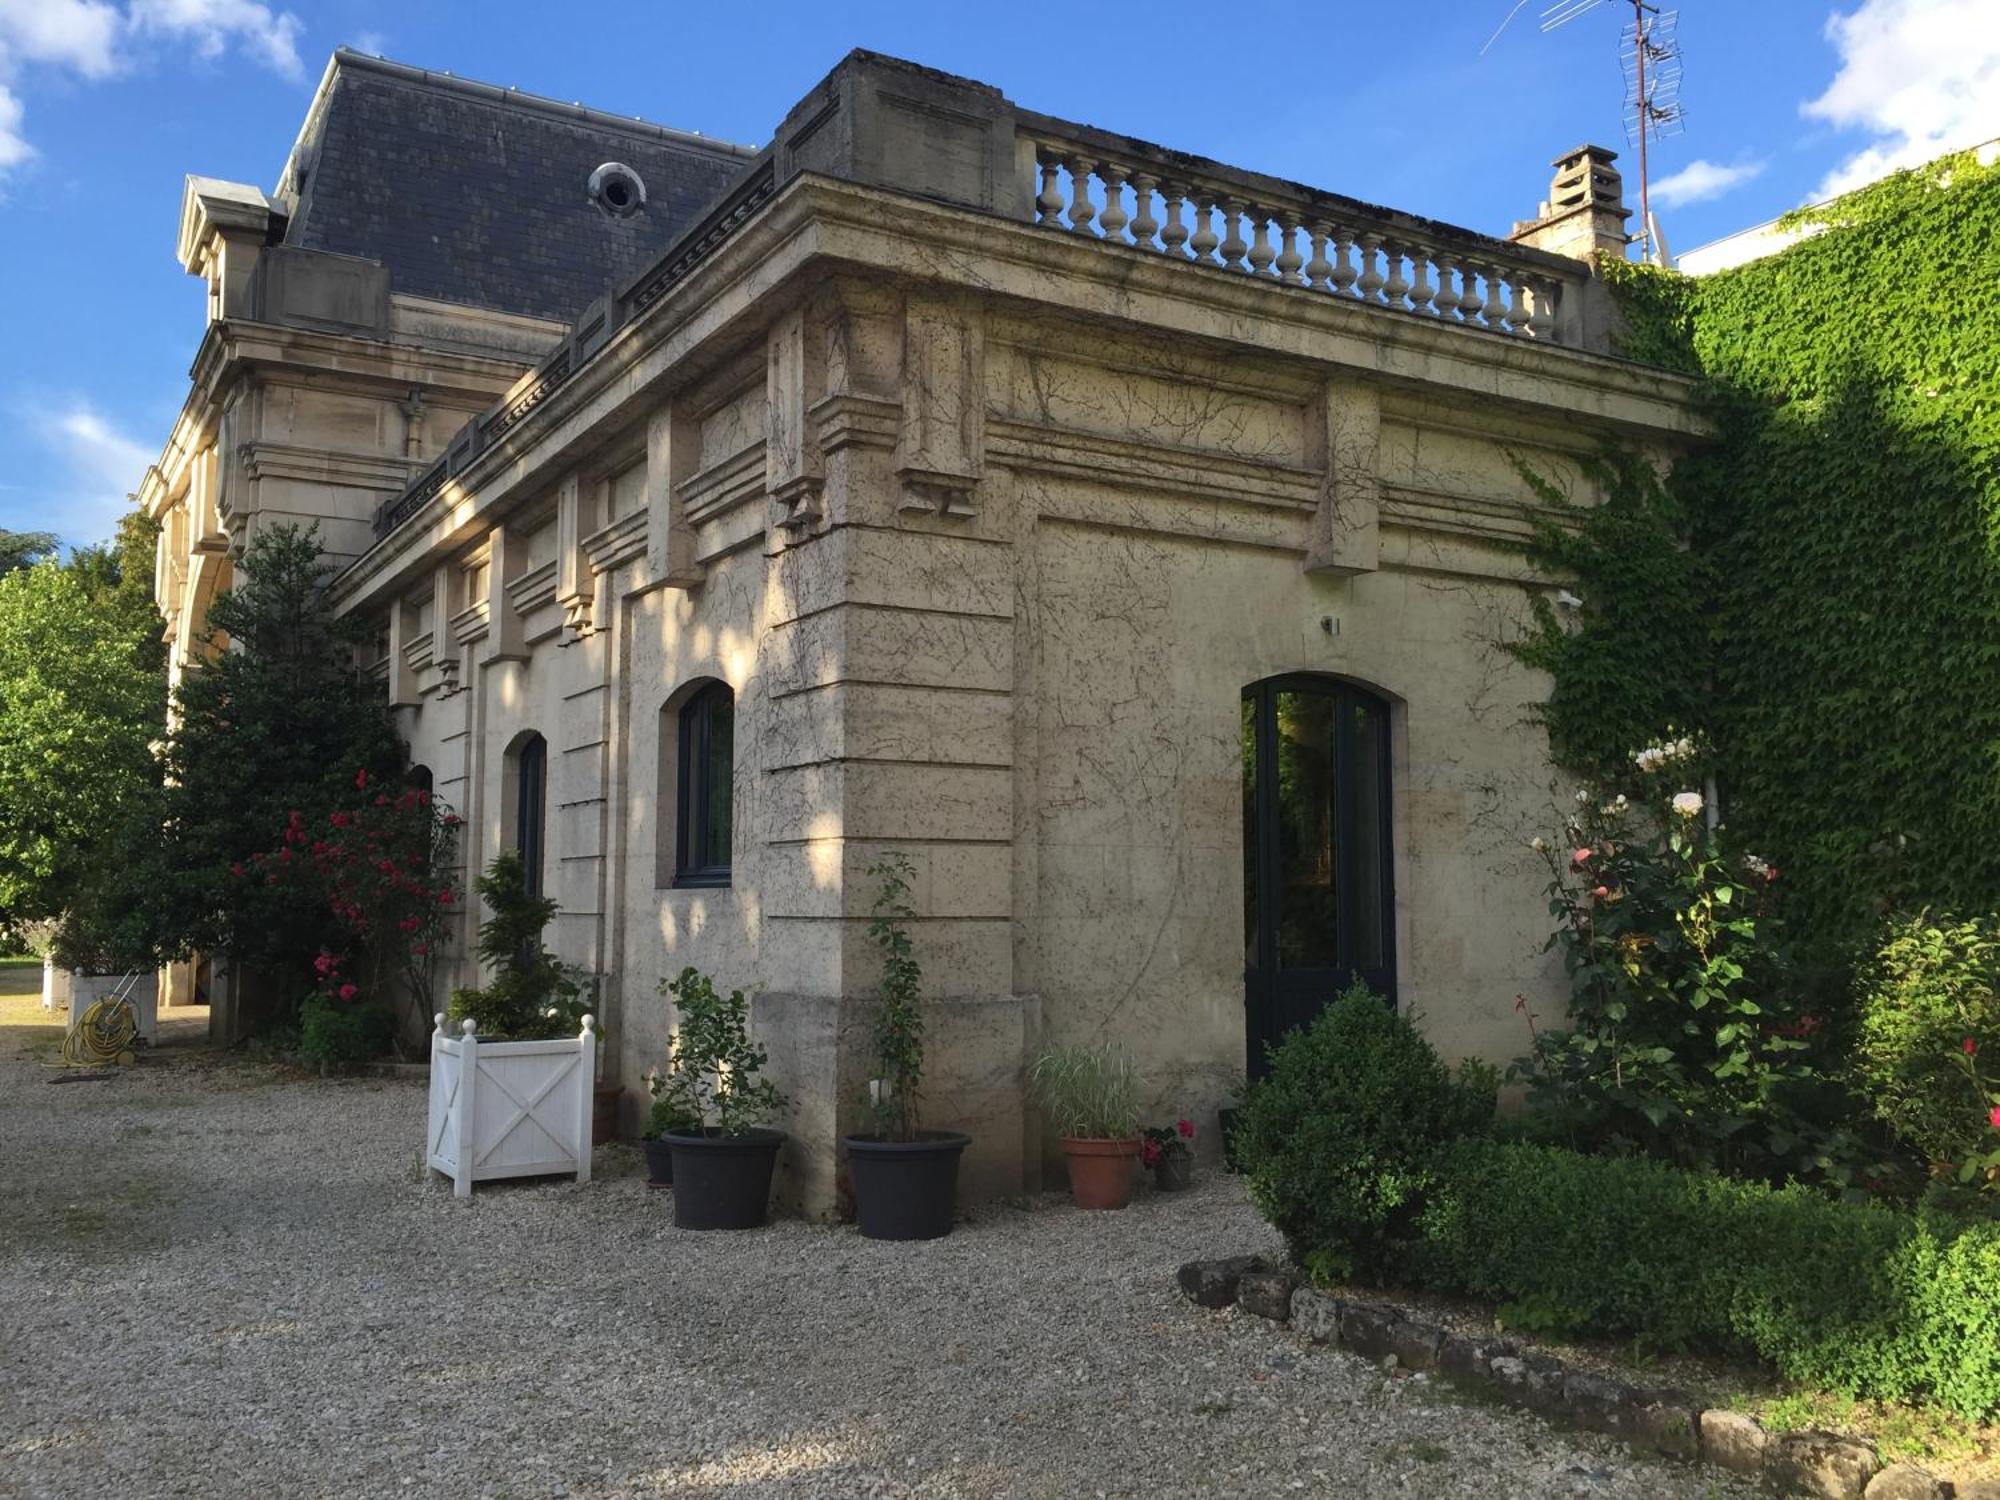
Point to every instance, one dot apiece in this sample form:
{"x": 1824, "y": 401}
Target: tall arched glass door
{"x": 1318, "y": 900}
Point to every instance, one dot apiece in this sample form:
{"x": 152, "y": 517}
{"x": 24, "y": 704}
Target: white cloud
{"x": 95, "y": 39}
{"x": 77, "y": 34}
{"x": 1921, "y": 75}
{"x": 213, "y": 24}
{"x": 1699, "y": 181}
{"x": 99, "y": 467}
{"x": 14, "y": 147}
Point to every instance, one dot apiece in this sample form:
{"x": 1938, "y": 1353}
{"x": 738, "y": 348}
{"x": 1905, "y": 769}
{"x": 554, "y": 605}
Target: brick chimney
{"x": 1585, "y": 212}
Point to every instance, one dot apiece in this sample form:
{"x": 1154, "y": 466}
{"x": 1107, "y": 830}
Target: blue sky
{"x": 105, "y": 104}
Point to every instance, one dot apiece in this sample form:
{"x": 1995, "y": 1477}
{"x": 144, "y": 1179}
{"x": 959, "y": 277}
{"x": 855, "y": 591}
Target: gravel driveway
{"x": 217, "y": 1281}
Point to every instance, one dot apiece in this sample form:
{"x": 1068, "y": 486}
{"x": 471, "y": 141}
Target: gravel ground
{"x": 218, "y": 1281}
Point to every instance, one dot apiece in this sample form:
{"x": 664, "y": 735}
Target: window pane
{"x": 1366, "y": 778}
{"x": 1308, "y": 912}
{"x": 718, "y": 774}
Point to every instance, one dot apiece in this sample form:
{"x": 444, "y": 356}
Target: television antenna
{"x": 1650, "y": 55}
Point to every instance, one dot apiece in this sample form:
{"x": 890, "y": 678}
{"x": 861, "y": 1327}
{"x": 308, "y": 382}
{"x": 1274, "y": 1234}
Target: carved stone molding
{"x": 794, "y": 468}
{"x": 1346, "y": 534}
{"x": 940, "y": 441}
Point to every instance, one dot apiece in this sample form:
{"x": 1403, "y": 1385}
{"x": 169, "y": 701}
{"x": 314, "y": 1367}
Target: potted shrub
{"x": 905, "y": 1177}
{"x": 722, "y": 1154}
{"x": 1169, "y": 1152}
{"x": 510, "y": 1087}
{"x": 1091, "y": 1097}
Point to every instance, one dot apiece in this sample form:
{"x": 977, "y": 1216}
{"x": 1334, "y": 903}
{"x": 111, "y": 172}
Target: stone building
{"x": 1127, "y": 538}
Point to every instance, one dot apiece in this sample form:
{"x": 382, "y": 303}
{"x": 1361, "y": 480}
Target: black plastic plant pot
{"x": 906, "y": 1190}
{"x": 723, "y": 1181}
{"x": 659, "y": 1162}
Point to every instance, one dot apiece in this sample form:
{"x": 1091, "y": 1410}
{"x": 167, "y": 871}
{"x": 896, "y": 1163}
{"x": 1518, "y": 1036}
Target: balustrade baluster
{"x": 1173, "y": 234}
{"x": 1289, "y": 259}
{"x": 1344, "y": 273}
{"x": 1261, "y": 253}
{"x": 1317, "y": 265}
{"x": 1395, "y": 290}
{"x": 1468, "y": 291}
{"x": 1372, "y": 281}
{"x": 1114, "y": 217}
{"x": 1144, "y": 225}
{"x": 1495, "y": 310}
{"x": 1204, "y": 242}
{"x": 1445, "y": 302}
{"x": 1049, "y": 201}
{"x": 1541, "y": 309}
{"x": 1421, "y": 290}
{"x": 1233, "y": 244}
{"x": 1517, "y": 306}
{"x": 1081, "y": 209}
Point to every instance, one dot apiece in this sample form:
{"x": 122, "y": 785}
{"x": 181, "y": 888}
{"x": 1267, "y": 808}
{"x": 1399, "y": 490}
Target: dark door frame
{"x": 1276, "y": 1000}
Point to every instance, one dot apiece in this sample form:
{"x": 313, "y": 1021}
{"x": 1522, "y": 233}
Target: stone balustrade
{"x": 1127, "y": 193}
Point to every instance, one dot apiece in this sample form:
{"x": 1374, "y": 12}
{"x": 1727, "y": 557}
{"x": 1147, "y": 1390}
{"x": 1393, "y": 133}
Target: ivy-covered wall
{"x": 1819, "y": 591}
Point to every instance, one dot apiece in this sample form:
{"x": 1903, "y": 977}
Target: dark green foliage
{"x": 1860, "y": 1299}
{"x": 1930, "y": 1038}
{"x": 1844, "y": 556}
{"x": 1632, "y": 661}
{"x": 335, "y": 1034}
{"x": 713, "y": 1080}
{"x": 1339, "y": 1140}
{"x": 23, "y": 549}
{"x": 276, "y": 719}
{"x": 531, "y": 995}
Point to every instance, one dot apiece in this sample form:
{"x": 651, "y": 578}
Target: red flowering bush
{"x": 377, "y": 869}
{"x": 1159, "y": 1142}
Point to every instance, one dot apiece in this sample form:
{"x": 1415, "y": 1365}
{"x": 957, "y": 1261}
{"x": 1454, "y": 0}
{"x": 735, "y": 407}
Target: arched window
{"x": 531, "y": 787}
{"x": 1318, "y": 901}
{"x": 418, "y": 779}
{"x": 704, "y": 800}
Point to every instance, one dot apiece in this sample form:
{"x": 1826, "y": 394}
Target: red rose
{"x": 1186, "y": 1128}
{"x": 1971, "y": 1047}
{"x": 361, "y": 780}
{"x": 1151, "y": 1150}
{"x": 348, "y": 991}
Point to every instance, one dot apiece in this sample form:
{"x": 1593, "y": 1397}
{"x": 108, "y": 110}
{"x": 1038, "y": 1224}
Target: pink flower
{"x": 1993, "y": 1118}
{"x": 348, "y": 991}
{"x": 361, "y": 780}
{"x": 324, "y": 963}
{"x": 1579, "y": 859}
{"x": 409, "y": 924}
{"x": 1151, "y": 1150}
{"x": 1970, "y": 1046}
{"x": 1601, "y": 892}
{"x": 1186, "y": 1128}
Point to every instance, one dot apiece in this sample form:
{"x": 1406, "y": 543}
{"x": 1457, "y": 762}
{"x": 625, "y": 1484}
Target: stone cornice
{"x": 816, "y": 223}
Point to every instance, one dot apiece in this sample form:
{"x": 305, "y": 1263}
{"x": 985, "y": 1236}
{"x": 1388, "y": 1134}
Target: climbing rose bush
{"x": 1685, "y": 1037}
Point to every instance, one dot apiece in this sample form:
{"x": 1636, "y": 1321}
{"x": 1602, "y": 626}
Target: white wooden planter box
{"x": 74, "y": 991}
{"x": 510, "y": 1109}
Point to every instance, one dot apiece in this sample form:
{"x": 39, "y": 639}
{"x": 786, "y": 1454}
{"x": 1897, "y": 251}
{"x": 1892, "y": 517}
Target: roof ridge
{"x": 347, "y": 57}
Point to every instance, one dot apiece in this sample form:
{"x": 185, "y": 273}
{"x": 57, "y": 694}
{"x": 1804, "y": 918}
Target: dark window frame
{"x": 694, "y": 832}
{"x": 531, "y": 786}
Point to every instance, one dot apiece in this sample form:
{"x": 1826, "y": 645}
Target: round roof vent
{"x": 617, "y": 189}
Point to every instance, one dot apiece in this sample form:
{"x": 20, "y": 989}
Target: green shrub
{"x": 533, "y": 995}
{"x": 336, "y": 1034}
{"x": 1857, "y": 1298}
{"x": 714, "y": 1070}
{"x": 1338, "y": 1141}
{"x": 1930, "y": 1022}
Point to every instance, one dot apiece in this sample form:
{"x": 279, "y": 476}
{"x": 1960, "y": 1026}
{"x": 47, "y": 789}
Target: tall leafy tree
{"x": 80, "y": 704}
{"x": 23, "y": 549}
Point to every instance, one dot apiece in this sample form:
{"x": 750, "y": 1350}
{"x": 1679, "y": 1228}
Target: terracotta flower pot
{"x": 1100, "y": 1171}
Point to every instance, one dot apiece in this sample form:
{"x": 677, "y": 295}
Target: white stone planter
{"x": 509, "y": 1109}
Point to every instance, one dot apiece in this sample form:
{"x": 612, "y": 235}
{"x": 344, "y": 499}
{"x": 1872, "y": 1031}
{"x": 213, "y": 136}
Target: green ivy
{"x": 1819, "y": 589}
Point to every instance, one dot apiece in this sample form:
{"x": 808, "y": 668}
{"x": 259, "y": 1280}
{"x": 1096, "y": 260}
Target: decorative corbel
{"x": 673, "y": 450}
{"x": 575, "y": 586}
{"x": 940, "y": 444}
{"x": 794, "y": 469}
{"x": 1346, "y": 534}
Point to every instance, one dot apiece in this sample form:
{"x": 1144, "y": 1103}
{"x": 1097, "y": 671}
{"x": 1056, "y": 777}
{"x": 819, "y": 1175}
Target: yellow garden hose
{"x": 104, "y": 1035}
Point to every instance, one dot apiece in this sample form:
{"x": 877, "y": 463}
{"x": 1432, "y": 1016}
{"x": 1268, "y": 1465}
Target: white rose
{"x": 1583, "y": 794}
{"x": 1539, "y": 844}
{"x": 1687, "y": 804}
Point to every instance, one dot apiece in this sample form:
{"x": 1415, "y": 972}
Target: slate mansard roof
{"x": 474, "y": 194}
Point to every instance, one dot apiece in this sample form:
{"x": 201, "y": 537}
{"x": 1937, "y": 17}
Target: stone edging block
{"x": 1662, "y": 1421}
